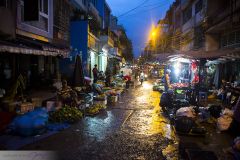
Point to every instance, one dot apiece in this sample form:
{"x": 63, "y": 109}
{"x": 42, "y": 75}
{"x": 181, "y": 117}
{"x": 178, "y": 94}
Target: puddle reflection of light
{"x": 98, "y": 127}
{"x": 147, "y": 86}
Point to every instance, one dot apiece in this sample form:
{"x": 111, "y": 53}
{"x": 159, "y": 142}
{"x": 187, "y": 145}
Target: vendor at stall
{"x": 67, "y": 95}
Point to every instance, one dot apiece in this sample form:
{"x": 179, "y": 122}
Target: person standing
{"x": 141, "y": 77}
{"x": 95, "y": 74}
{"x": 167, "y": 79}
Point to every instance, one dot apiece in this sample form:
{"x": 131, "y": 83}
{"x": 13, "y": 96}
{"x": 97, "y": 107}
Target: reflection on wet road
{"x": 131, "y": 129}
{"x": 146, "y": 118}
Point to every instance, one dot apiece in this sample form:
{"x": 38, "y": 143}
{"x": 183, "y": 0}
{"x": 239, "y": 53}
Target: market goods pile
{"x": 158, "y": 86}
{"x": 66, "y": 114}
{"x": 179, "y": 85}
{"x": 95, "y": 109}
{"x": 101, "y": 97}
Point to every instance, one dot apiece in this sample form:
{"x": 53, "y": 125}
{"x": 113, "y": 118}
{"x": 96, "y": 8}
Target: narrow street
{"x": 133, "y": 128}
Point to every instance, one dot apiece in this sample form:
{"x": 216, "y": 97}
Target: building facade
{"x": 203, "y": 27}
{"x": 90, "y": 36}
{"x": 34, "y": 36}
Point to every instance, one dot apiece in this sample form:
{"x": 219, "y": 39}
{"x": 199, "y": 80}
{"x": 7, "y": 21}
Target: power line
{"x": 151, "y": 5}
{"x": 133, "y": 8}
{"x": 146, "y": 10}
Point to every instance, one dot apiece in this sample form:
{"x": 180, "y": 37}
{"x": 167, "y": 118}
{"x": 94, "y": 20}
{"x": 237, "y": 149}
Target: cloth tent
{"x": 78, "y": 76}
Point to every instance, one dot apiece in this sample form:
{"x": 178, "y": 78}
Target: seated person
{"x": 97, "y": 88}
{"x": 67, "y": 95}
{"x": 221, "y": 93}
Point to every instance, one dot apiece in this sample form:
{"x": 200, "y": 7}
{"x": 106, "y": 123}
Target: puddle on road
{"x": 97, "y": 127}
{"x": 148, "y": 120}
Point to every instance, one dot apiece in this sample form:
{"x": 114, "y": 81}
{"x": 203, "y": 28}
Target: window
{"x": 3, "y": 3}
{"x": 187, "y": 14}
{"x": 94, "y": 2}
{"x": 85, "y": 2}
{"x": 198, "y": 6}
{"x": 198, "y": 37}
{"x": 43, "y": 21}
{"x": 231, "y": 39}
{"x": 44, "y": 6}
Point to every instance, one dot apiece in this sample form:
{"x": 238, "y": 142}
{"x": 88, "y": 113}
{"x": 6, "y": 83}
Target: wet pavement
{"x": 133, "y": 128}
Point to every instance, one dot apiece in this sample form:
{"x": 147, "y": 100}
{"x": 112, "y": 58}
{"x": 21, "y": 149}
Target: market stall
{"x": 202, "y": 101}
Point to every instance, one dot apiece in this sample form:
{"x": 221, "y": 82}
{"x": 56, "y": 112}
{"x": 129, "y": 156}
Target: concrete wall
{"x": 8, "y": 26}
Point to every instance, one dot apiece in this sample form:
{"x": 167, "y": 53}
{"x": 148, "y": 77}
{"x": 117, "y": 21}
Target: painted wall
{"x": 100, "y": 7}
{"x": 78, "y": 40}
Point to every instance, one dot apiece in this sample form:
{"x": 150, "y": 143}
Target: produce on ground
{"x": 100, "y": 97}
{"x": 66, "y": 114}
{"x": 95, "y": 109}
{"x": 112, "y": 98}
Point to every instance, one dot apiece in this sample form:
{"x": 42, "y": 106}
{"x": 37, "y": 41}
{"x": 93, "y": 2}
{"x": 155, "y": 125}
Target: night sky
{"x": 138, "y": 22}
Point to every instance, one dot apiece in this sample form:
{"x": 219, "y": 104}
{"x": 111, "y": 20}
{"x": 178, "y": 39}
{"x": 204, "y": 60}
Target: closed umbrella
{"x": 78, "y": 76}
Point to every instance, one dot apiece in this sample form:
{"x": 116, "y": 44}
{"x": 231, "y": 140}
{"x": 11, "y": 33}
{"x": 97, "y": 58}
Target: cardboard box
{"x": 26, "y": 107}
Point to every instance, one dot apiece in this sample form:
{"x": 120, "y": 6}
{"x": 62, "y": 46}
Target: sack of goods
{"x": 186, "y": 112}
{"x": 184, "y": 124}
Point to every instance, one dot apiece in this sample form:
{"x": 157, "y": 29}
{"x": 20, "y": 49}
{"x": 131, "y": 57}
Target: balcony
{"x": 93, "y": 42}
{"x": 184, "y": 4}
{"x": 105, "y": 39}
{"x": 79, "y": 5}
{"x": 93, "y": 11}
{"x": 188, "y": 25}
{"x": 199, "y": 17}
{"x": 178, "y": 8}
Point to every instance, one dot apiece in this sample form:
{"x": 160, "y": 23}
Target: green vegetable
{"x": 66, "y": 114}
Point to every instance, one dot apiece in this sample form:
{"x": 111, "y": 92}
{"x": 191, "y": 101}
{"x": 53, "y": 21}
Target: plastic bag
{"x": 224, "y": 122}
{"x": 227, "y": 112}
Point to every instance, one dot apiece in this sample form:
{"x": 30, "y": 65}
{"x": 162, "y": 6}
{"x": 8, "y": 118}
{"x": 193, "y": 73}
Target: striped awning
{"x": 30, "y": 51}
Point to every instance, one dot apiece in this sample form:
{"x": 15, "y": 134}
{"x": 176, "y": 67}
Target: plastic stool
{"x": 203, "y": 96}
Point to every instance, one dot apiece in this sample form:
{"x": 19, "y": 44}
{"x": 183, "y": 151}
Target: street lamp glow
{"x": 154, "y": 33}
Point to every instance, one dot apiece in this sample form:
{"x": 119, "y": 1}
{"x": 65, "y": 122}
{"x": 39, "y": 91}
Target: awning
{"x": 213, "y": 54}
{"x": 47, "y": 51}
{"x": 221, "y": 53}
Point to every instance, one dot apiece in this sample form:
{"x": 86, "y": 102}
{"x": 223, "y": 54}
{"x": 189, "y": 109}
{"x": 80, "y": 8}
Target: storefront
{"x": 93, "y": 60}
{"x": 103, "y": 60}
{"x": 183, "y": 70}
{"x": 37, "y": 66}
